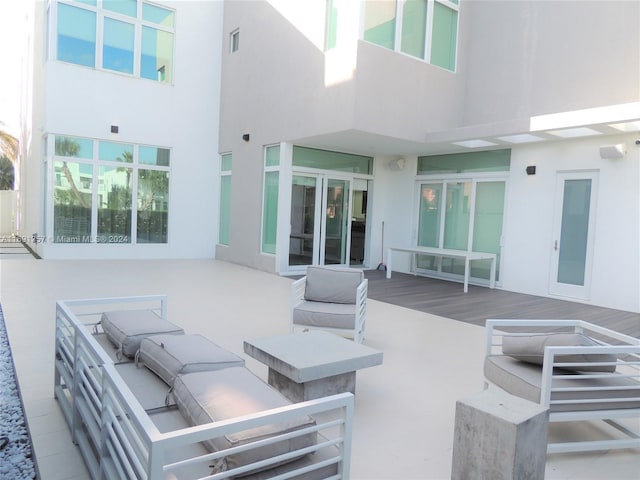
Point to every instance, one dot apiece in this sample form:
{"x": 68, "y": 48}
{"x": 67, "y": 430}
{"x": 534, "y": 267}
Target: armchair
{"x": 577, "y": 370}
{"x": 332, "y": 299}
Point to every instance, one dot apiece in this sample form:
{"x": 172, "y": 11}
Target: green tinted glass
{"x": 326, "y": 160}
{"x": 225, "y": 209}
{"x": 380, "y": 22}
{"x": 443, "y": 37}
{"x": 226, "y": 162}
{"x": 414, "y": 27}
{"x": 270, "y": 212}
{"x": 491, "y": 161}
{"x": 272, "y": 156}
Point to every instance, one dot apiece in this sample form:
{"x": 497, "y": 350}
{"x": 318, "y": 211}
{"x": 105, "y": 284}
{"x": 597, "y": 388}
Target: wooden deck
{"x": 447, "y": 299}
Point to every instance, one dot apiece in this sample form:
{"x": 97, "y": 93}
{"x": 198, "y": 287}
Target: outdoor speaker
{"x": 612, "y": 151}
{"x": 396, "y": 164}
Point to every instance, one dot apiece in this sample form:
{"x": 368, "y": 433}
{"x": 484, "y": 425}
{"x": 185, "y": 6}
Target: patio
{"x": 404, "y": 414}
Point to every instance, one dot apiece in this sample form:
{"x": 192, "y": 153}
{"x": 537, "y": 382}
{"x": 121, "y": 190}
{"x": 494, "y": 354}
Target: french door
{"x": 460, "y": 214}
{"x": 573, "y": 233}
{"x": 320, "y": 220}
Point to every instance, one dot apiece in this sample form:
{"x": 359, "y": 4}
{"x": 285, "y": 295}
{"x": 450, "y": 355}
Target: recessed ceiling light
{"x": 627, "y": 126}
{"x": 475, "y": 143}
{"x": 521, "y": 138}
{"x": 575, "y": 132}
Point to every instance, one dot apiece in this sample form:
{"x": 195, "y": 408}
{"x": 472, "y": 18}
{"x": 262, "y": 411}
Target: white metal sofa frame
{"x": 578, "y": 406}
{"x": 298, "y": 289}
{"x": 117, "y": 437}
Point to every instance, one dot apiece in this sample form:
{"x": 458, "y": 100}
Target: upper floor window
{"x": 425, "y": 29}
{"x": 126, "y": 36}
{"x": 234, "y": 42}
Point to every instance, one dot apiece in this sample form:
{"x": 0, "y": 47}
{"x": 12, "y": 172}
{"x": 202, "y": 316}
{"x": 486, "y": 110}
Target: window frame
{"x": 428, "y": 42}
{"x": 101, "y": 14}
{"x": 52, "y": 158}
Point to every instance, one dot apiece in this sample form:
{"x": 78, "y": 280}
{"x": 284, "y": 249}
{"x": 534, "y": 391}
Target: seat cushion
{"x": 524, "y": 380}
{"x": 205, "y": 397}
{"x": 126, "y": 328}
{"x": 170, "y": 355}
{"x": 326, "y": 315}
{"x": 332, "y": 284}
{"x": 530, "y": 348}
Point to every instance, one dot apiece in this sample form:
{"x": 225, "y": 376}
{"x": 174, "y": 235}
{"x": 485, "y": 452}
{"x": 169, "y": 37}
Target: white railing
{"x": 119, "y": 440}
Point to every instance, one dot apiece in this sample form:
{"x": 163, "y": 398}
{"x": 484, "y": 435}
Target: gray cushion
{"x": 327, "y": 315}
{"x": 332, "y": 284}
{"x": 126, "y": 328}
{"x": 530, "y": 348}
{"x": 524, "y": 380}
{"x": 205, "y": 397}
{"x": 170, "y": 355}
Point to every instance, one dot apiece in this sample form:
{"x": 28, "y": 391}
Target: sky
{"x": 11, "y": 34}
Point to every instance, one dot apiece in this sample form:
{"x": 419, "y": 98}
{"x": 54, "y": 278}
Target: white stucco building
{"x": 281, "y": 133}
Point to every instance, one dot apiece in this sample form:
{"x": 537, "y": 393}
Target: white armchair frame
{"x": 357, "y": 332}
{"x": 624, "y": 416}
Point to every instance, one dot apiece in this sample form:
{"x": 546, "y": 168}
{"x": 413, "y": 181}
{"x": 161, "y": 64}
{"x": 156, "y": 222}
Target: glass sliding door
{"x": 456, "y": 224}
{"x": 487, "y": 225}
{"x": 336, "y": 221}
{"x": 429, "y": 222}
{"x": 302, "y": 240}
{"x": 460, "y": 215}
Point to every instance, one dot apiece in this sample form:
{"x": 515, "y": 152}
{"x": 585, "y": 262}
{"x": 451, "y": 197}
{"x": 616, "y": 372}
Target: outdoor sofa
{"x": 148, "y": 405}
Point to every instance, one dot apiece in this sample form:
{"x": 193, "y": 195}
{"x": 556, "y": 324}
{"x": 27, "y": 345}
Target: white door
{"x": 572, "y": 243}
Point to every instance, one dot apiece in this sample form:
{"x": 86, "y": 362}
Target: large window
{"x": 226, "y": 162}
{"x": 109, "y": 192}
{"x": 425, "y": 29}
{"x": 126, "y": 36}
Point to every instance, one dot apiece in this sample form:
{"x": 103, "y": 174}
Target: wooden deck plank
{"x": 447, "y": 299}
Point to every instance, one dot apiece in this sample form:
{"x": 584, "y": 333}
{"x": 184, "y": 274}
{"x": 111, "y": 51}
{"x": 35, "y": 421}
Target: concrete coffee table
{"x": 313, "y": 364}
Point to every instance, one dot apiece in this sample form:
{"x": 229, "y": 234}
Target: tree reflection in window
{"x": 153, "y": 206}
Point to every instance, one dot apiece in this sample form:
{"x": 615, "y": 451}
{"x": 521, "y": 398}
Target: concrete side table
{"x": 499, "y": 437}
{"x": 313, "y": 364}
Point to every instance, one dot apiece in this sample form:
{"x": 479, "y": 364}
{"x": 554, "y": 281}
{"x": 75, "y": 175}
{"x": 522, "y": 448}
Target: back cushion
{"x": 530, "y": 348}
{"x": 332, "y": 284}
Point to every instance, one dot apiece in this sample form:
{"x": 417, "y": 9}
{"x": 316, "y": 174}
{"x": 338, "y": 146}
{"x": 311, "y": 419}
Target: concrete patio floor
{"x": 404, "y": 413}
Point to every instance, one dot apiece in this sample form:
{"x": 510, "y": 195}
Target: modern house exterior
{"x": 279, "y": 134}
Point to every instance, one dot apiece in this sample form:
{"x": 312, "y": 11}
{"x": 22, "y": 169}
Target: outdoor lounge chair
{"x": 577, "y": 370}
{"x": 332, "y": 299}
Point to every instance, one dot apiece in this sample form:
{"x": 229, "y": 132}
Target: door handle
{"x": 555, "y": 245}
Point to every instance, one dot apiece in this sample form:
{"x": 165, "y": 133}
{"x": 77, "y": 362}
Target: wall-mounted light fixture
{"x": 246, "y": 137}
{"x": 114, "y": 128}
{"x": 531, "y": 170}
{"x": 612, "y": 152}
